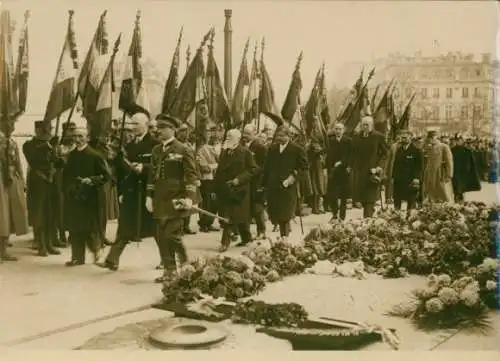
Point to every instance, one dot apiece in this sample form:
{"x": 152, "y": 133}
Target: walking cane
{"x": 298, "y": 206}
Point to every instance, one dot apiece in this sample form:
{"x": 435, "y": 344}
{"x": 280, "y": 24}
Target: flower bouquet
{"x": 270, "y": 315}
{"x": 486, "y": 276}
{"x": 446, "y": 304}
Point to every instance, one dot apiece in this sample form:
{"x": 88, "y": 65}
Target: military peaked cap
{"x": 168, "y": 121}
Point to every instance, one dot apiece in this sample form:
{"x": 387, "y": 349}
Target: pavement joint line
{"x": 75, "y": 326}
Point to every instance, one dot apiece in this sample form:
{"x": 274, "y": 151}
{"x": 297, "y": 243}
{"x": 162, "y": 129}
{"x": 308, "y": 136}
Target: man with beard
{"x": 259, "y": 151}
{"x": 233, "y": 188}
{"x": 369, "y": 154}
{"x": 133, "y": 166}
{"x": 39, "y": 180}
{"x": 286, "y": 163}
{"x": 465, "y": 173}
{"x": 338, "y": 165}
{"x": 171, "y": 189}
{"x": 438, "y": 170}
{"x": 404, "y": 171}
{"x": 84, "y": 172}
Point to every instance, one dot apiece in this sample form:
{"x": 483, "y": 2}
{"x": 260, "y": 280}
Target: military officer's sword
{"x": 180, "y": 204}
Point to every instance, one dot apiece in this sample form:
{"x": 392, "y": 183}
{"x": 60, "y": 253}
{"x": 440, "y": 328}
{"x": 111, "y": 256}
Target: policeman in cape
{"x": 171, "y": 189}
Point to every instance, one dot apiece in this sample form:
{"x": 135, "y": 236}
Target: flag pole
{"x": 243, "y": 57}
{"x": 259, "y": 69}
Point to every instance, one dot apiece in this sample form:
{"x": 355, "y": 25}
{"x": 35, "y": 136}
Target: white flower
{"x": 491, "y": 285}
{"x": 448, "y": 296}
{"x": 444, "y": 280}
{"x": 469, "y": 297}
{"x": 416, "y": 225}
{"x": 434, "y": 305}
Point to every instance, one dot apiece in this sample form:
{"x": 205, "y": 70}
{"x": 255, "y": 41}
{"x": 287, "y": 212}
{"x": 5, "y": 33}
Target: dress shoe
{"x": 108, "y": 265}
{"x": 42, "y": 253}
{"x": 223, "y": 248}
{"x": 9, "y": 244}
{"x": 73, "y": 263}
{"x": 242, "y": 244}
{"x": 189, "y": 231}
{"x": 53, "y": 251}
{"x": 60, "y": 244}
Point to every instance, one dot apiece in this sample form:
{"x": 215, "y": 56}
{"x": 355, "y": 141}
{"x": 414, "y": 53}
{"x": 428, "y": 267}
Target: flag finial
{"x": 103, "y": 15}
{"x": 212, "y": 36}
{"x": 26, "y": 16}
{"x": 262, "y": 46}
{"x": 299, "y": 60}
{"x": 71, "y": 13}
{"x": 179, "y": 39}
{"x": 138, "y": 17}
{"x": 247, "y": 44}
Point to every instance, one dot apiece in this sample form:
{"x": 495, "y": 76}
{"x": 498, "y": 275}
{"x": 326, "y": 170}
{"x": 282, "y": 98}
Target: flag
{"x": 315, "y": 129}
{"x": 191, "y": 92}
{"x": 218, "y": 105}
{"x": 62, "y": 94}
{"x": 404, "y": 121}
{"x": 92, "y": 68}
{"x": 323, "y": 97}
{"x": 373, "y": 100}
{"x": 241, "y": 89}
{"x": 351, "y": 99}
{"x": 381, "y": 116}
{"x": 101, "y": 122}
{"x": 133, "y": 91}
{"x": 361, "y": 107}
{"x": 22, "y": 66}
{"x": 267, "y": 101}
{"x": 291, "y": 107}
{"x": 252, "y": 96}
{"x": 173, "y": 78}
{"x": 9, "y": 102}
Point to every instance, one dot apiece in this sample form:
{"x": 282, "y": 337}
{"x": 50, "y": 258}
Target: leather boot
{"x": 4, "y": 256}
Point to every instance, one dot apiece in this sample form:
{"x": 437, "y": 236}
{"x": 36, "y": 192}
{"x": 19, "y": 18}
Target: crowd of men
{"x": 150, "y": 176}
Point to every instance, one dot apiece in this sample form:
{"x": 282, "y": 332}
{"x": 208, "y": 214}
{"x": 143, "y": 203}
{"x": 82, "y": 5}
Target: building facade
{"x": 454, "y": 92}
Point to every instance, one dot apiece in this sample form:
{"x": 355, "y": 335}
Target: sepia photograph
{"x": 270, "y": 176}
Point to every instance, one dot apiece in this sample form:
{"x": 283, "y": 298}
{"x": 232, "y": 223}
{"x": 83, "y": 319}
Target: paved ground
{"x": 46, "y": 305}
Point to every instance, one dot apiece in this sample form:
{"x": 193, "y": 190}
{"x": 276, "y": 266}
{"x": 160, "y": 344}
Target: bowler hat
{"x": 135, "y": 109}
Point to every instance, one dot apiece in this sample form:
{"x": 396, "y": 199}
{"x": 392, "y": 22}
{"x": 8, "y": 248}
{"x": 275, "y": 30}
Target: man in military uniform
{"x": 171, "y": 187}
{"x": 84, "y": 172}
{"x": 40, "y": 178}
{"x": 133, "y": 167}
{"x": 182, "y": 135}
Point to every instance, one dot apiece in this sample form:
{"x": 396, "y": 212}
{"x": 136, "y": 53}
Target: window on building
{"x": 448, "y": 112}
{"x": 478, "y": 71}
{"x": 435, "y": 93}
{"x": 464, "y": 112}
{"x": 423, "y": 93}
{"x": 465, "y": 92}
{"x": 477, "y": 112}
{"x": 449, "y": 92}
{"x": 435, "y": 112}
{"x": 477, "y": 92}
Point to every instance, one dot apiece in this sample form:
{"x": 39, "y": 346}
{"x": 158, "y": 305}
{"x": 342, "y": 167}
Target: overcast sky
{"x": 332, "y": 31}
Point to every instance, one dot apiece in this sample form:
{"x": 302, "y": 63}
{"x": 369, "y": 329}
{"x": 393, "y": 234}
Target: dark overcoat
{"x": 403, "y": 167}
{"x": 134, "y": 219}
{"x": 259, "y": 151}
{"x": 339, "y": 179}
{"x": 315, "y": 158}
{"x": 465, "y": 173}
{"x": 234, "y": 201}
{"x": 281, "y": 201}
{"x": 368, "y": 152}
{"x": 39, "y": 180}
{"x": 82, "y": 201}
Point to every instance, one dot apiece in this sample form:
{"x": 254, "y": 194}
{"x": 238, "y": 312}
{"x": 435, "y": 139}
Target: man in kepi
{"x": 85, "y": 171}
{"x": 171, "y": 191}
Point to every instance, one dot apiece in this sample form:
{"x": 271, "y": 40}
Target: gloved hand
{"x": 149, "y": 204}
{"x": 289, "y": 181}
